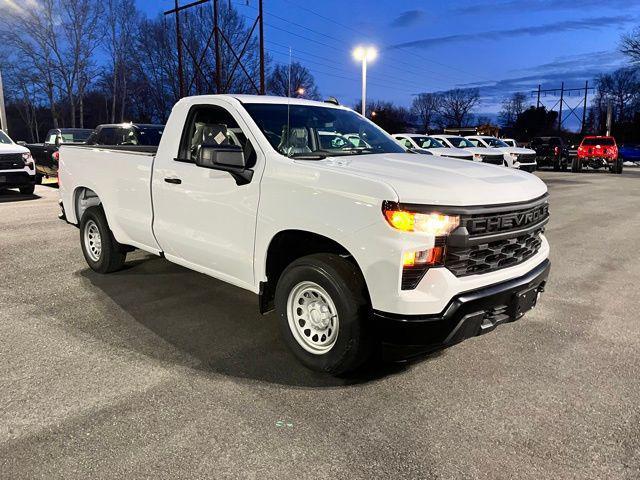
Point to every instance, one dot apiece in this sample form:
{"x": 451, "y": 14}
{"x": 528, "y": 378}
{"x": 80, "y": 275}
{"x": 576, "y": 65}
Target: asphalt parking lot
{"x": 160, "y": 372}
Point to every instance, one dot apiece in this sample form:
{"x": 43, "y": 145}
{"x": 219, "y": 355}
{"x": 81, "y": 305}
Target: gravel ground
{"x": 160, "y": 372}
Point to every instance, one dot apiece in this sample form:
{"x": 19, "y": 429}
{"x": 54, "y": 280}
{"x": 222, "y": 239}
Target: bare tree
{"x": 301, "y": 84}
{"x": 426, "y": 106}
{"x": 456, "y": 105}
{"x": 622, "y": 89}
{"x": 630, "y": 45}
{"x": 512, "y": 107}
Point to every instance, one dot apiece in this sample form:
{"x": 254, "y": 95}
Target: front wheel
{"x": 101, "y": 250}
{"x": 322, "y": 305}
{"x": 576, "y": 165}
{"x": 28, "y": 190}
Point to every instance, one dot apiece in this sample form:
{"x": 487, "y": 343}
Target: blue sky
{"x": 501, "y": 46}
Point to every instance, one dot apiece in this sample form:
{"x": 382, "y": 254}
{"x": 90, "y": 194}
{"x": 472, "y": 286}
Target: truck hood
{"x": 450, "y": 152}
{"x": 517, "y": 150}
{"x": 434, "y": 180}
{"x": 483, "y": 151}
{"x": 12, "y": 148}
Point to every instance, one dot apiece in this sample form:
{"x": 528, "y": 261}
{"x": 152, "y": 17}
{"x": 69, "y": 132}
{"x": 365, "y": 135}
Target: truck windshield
{"x": 495, "y": 142}
{"x": 598, "y": 141}
{"x": 4, "y": 138}
{"x": 460, "y": 142}
{"x": 427, "y": 142}
{"x": 309, "y": 130}
{"x": 76, "y": 136}
{"x": 149, "y": 135}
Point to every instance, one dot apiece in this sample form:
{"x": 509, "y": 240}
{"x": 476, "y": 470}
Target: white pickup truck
{"x": 352, "y": 245}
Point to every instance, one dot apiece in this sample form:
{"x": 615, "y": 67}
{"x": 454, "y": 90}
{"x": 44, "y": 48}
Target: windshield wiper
{"x": 308, "y": 156}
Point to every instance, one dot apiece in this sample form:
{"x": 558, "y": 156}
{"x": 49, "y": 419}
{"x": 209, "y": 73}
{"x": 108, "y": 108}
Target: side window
{"x": 476, "y": 143}
{"x": 126, "y": 136}
{"x": 51, "y": 138}
{"x": 408, "y": 144}
{"x": 107, "y": 136}
{"x": 210, "y": 124}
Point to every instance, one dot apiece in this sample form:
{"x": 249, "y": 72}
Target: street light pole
{"x": 3, "y": 112}
{"x": 365, "y": 55}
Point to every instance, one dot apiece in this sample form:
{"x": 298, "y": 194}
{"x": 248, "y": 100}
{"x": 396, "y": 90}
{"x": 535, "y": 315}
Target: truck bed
{"x": 121, "y": 178}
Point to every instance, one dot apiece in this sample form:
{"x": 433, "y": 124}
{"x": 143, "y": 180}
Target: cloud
{"x": 540, "y": 5}
{"x": 408, "y": 19}
{"x": 533, "y": 30}
{"x": 573, "y": 70}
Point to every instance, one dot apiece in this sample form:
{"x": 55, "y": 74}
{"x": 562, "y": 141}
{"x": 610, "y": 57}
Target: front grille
{"x": 527, "y": 158}
{"x": 489, "y": 241}
{"x": 493, "y": 159}
{"x": 11, "y": 161}
{"x": 488, "y": 257}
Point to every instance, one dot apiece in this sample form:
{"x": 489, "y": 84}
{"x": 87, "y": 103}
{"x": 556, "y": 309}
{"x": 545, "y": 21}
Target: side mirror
{"x": 228, "y": 158}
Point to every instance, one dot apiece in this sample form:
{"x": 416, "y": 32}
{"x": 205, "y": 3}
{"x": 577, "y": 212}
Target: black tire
{"x": 112, "y": 254}
{"x": 38, "y": 179}
{"x": 28, "y": 190}
{"x": 565, "y": 165}
{"x": 556, "y": 165}
{"x": 576, "y": 165}
{"x": 344, "y": 284}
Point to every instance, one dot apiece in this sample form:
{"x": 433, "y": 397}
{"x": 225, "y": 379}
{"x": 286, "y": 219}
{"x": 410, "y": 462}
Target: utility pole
{"x": 561, "y": 103}
{"x": 538, "y": 103}
{"x": 179, "y": 44}
{"x": 3, "y": 112}
{"x": 216, "y": 42}
{"x": 584, "y": 107}
{"x": 609, "y": 118}
{"x": 261, "y": 27}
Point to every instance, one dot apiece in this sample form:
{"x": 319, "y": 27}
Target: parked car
{"x": 351, "y": 247}
{"x": 480, "y": 154}
{"x": 510, "y": 141}
{"x": 629, "y": 153}
{"x": 598, "y": 152}
{"x": 514, "y": 157}
{"x": 126, "y": 134}
{"x": 45, "y": 154}
{"x": 425, "y": 143}
{"x": 17, "y": 168}
{"x": 550, "y": 152}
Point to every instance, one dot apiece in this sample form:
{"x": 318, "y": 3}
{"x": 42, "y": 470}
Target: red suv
{"x": 599, "y": 152}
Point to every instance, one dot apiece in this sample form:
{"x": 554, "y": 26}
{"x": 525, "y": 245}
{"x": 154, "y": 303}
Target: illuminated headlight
{"x": 514, "y": 156}
{"x": 434, "y": 223}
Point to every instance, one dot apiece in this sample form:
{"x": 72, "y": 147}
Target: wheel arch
{"x": 288, "y": 245}
{"x": 83, "y": 198}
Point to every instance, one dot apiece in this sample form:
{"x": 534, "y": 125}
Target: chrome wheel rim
{"x": 92, "y": 240}
{"x": 313, "y": 317}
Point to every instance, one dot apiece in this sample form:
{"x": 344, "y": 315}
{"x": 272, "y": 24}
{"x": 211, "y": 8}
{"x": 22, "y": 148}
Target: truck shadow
{"x": 215, "y": 327}
{"x": 15, "y": 196}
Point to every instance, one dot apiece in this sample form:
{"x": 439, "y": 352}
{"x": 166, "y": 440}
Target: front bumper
{"x": 14, "y": 179}
{"x": 467, "y": 315}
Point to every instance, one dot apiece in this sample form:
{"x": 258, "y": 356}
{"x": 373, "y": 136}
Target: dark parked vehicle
{"x": 127, "y": 134}
{"x": 46, "y": 154}
{"x": 629, "y": 153}
{"x": 550, "y": 152}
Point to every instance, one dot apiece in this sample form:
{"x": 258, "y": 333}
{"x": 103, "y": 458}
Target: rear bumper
{"x": 467, "y": 315}
{"x": 16, "y": 179}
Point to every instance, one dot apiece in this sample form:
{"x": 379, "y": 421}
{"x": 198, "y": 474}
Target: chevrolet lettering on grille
{"x": 508, "y": 221}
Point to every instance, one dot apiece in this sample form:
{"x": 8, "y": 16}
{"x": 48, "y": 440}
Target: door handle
{"x": 173, "y": 180}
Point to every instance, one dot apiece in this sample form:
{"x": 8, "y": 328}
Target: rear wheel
{"x": 322, "y": 305}
{"x": 617, "y": 166}
{"x": 101, "y": 250}
{"x": 28, "y": 190}
{"x": 576, "y": 165}
{"x": 556, "y": 165}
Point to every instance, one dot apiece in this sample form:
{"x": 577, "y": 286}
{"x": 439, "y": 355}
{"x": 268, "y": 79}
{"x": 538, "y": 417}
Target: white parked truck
{"x": 352, "y": 245}
{"x": 514, "y": 157}
{"x": 480, "y": 154}
{"x": 421, "y": 143}
{"x": 17, "y": 168}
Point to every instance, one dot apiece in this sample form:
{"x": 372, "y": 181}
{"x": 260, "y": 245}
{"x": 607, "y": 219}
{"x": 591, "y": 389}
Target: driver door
{"x": 202, "y": 218}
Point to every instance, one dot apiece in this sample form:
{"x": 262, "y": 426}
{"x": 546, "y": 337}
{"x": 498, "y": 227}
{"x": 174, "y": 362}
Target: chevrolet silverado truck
{"x": 353, "y": 246}
{"x": 492, "y": 156}
{"x": 599, "y": 152}
{"x": 514, "y": 157}
{"x": 46, "y": 154}
{"x": 17, "y": 168}
{"x": 424, "y": 143}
